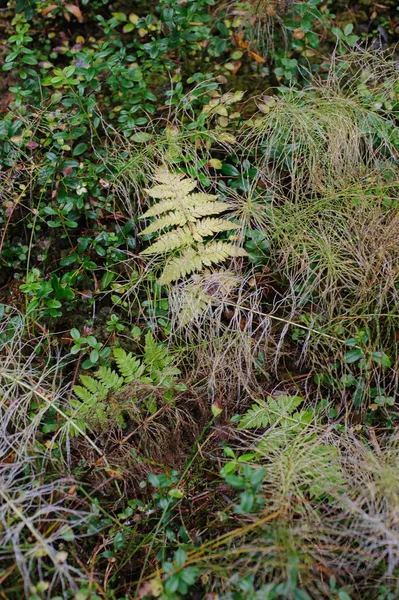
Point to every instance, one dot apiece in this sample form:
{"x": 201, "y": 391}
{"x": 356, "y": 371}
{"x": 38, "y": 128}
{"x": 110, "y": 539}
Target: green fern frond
{"x": 283, "y": 407}
{"x": 279, "y": 411}
{"x": 109, "y": 378}
{"x": 129, "y": 366}
{"x": 106, "y": 397}
{"x": 83, "y": 393}
{"x": 255, "y": 417}
{"x": 155, "y": 354}
{"x": 94, "y": 386}
{"x": 159, "y": 362}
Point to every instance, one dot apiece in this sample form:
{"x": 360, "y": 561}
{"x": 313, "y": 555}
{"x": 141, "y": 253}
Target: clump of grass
{"x": 326, "y": 160}
{"x": 329, "y": 511}
{"x": 37, "y": 512}
{"x": 215, "y": 315}
{"x": 318, "y": 139}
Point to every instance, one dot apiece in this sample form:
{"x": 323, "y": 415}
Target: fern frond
{"x": 129, "y": 366}
{"x": 82, "y": 393}
{"x": 190, "y": 219}
{"x": 159, "y": 208}
{"x": 209, "y": 208}
{"x": 109, "y": 378}
{"x": 94, "y": 386}
{"x": 159, "y": 362}
{"x": 283, "y": 407}
{"x": 163, "y": 175}
{"x": 172, "y": 219}
{"x": 181, "y": 266}
{"x": 155, "y": 354}
{"x": 210, "y": 226}
{"x": 216, "y": 252}
{"x": 171, "y": 241}
{"x": 256, "y": 417}
{"x": 194, "y": 302}
{"x": 175, "y": 190}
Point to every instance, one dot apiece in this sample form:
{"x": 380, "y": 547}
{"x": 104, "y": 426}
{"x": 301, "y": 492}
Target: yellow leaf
{"x": 152, "y": 588}
{"x": 133, "y": 18}
{"x": 215, "y": 163}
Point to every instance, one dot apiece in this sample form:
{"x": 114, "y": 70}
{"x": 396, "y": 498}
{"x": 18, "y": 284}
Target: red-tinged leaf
{"x": 32, "y": 145}
{"x": 67, "y": 171}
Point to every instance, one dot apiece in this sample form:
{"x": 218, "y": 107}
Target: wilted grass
{"x": 37, "y": 514}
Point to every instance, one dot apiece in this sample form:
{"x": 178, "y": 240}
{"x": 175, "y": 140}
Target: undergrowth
{"x": 198, "y": 301}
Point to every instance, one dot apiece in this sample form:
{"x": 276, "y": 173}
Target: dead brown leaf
{"x": 259, "y": 59}
{"x": 75, "y": 11}
{"x": 239, "y": 40}
{"x": 48, "y": 9}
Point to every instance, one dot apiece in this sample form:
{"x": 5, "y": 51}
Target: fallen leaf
{"x": 215, "y": 163}
{"x": 259, "y": 59}
{"x": 113, "y": 473}
{"x": 152, "y": 588}
{"x": 61, "y": 557}
{"x": 239, "y": 40}
{"x": 48, "y": 9}
{"x": 299, "y": 34}
{"x": 75, "y": 11}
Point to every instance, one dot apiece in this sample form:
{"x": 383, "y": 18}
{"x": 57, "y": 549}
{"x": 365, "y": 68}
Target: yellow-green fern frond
{"x": 216, "y": 252}
{"x": 163, "y": 175}
{"x": 208, "y": 208}
{"x": 190, "y": 218}
{"x": 177, "y": 217}
{"x": 210, "y": 226}
{"x": 178, "y": 267}
{"x": 160, "y": 208}
{"x": 171, "y": 241}
{"x": 175, "y": 188}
